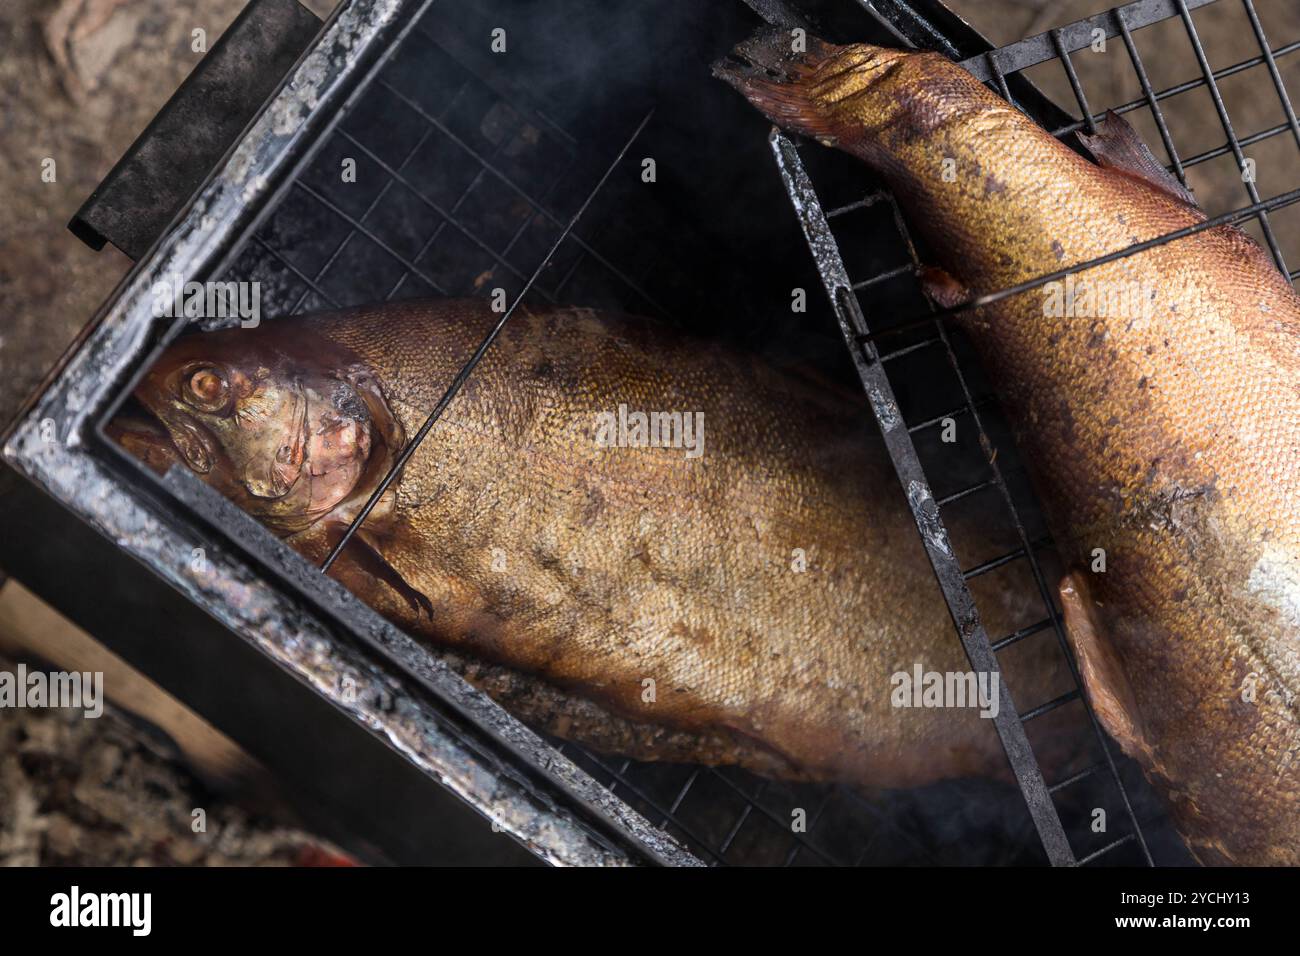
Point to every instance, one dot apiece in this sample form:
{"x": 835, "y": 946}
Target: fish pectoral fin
{"x": 365, "y": 552}
{"x": 1103, "y": 676}
{"x": 1116, "y": 145}
{"x": 941, "y": 288}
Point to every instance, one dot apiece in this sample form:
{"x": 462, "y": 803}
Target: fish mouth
{"x": 189, "y": 439}
{"x": 142, "y": 434}
{"x": 161, "y": 441}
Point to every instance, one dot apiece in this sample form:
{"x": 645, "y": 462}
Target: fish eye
{"x": 205, "y": 388}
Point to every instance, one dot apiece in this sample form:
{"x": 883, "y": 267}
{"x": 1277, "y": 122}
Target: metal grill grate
{"x": 470, "y": 181}
{"x": 994, "y": 67}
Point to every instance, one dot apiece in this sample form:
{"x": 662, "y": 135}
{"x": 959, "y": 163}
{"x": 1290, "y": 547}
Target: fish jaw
{"x": 193, "y": 443}
{"x": 145, "y": 438}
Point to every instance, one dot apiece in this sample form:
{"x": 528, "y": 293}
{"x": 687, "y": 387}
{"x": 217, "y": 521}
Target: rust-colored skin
{"x": 1169, "y": 440}
{"x": 517, "y": 539}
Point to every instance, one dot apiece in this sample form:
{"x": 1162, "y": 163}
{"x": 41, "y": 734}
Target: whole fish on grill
{"x": 745, "y": 598}
{"x": 1163, "y": 426}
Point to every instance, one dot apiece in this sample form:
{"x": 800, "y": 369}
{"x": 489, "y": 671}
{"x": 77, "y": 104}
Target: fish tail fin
{"x": 776, "y": 76}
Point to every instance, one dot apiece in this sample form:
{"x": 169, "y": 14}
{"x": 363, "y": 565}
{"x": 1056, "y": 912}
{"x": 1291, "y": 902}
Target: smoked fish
{"x": 743, "y": 596}
{"x": 1157, "y": 397}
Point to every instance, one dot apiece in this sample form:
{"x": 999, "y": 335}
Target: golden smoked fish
{"x": 1157, "y": 397}
{"x": 744, "y": 595}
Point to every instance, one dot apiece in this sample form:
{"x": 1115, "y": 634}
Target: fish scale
{"x": 1168, "y": 440}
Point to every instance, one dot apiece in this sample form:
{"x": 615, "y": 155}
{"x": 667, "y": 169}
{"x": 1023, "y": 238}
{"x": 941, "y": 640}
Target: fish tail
{"x": 778, "y": 79}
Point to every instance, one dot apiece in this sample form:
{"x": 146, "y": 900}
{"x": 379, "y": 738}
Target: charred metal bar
{"x": 1226, "y": 148}
{"x": 1076, "y": 778}
{"x": 1073, "y": 77}
{"x": 908, "y": 349}
{"x": 964, "y": 493}
{"x": 1043, "y": 625}
{"x": 1267, "y": 52}
{"x": 866, "y": 203}
{"x": 882, "y": 277}
{"x": 910, "y": 26}
{"x": 984, "y": 567}
{"x": 1051, "y": 705}
{"x": 1106, "y": 849}
{"x": 964, "y": 409}
{"x": 777, "y": 12}
{"x": 995, "y": 67}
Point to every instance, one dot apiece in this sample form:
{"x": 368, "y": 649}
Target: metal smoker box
{"x": 524, "y": 169}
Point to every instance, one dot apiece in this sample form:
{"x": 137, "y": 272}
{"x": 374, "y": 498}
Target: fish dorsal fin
{"x": 1116, "y": 145}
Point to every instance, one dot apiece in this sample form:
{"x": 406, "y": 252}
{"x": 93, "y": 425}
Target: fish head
{"x": 280, "y": 424}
